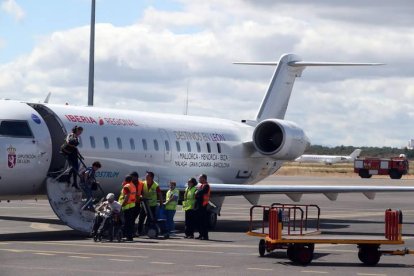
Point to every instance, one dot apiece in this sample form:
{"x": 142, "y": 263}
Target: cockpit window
{"x": 19, "y": 129}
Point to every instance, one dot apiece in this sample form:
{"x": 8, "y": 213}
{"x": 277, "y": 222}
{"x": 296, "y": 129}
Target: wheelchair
{"x": 112, "y": 229}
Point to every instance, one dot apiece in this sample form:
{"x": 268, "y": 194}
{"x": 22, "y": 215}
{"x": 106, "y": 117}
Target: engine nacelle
{"x": 280, "y": 139}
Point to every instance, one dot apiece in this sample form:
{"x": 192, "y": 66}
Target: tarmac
{"x": 34, "y": 242}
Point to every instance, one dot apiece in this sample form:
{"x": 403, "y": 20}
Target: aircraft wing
{"x": 295, "y": 192}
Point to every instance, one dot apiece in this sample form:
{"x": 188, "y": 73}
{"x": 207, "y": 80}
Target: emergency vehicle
{"x": 395, "y": 167}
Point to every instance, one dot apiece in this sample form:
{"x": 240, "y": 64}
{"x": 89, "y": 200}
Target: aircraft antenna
{"x": 91, "y": 56}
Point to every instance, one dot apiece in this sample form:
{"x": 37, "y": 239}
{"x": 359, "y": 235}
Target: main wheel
{"x": 262, "y": 248}
{"x": 369, "y": 255}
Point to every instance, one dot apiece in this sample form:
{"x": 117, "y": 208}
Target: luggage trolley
{"x": 296, "y": 229}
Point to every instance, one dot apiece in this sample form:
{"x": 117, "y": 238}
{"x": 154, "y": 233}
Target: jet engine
{"x": 279, "y": 139}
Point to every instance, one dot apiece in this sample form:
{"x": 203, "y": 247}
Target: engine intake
{"x": 280, "y": 139}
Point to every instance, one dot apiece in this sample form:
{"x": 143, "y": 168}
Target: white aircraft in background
{"x": 234, "y": 155}
{"x": 328, "y": 159}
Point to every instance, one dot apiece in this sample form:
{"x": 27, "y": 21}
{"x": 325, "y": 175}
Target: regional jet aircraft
{"x": 328, "y": 159}
{"x": 234, "y": 155}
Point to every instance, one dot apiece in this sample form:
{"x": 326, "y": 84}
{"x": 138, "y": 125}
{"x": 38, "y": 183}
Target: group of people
{"x": 143, "y": 200}
{"x": 134, "y": 193}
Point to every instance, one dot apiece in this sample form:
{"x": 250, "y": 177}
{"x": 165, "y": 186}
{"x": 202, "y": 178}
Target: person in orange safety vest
{"x": 202, "y": 196}
{"x": 127, "y": 200}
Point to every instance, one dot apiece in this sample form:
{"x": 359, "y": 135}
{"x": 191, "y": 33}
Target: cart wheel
{"x": 290, "y": 252}
{"x": 369, "y": 255}
{"x": 304, "y": 255}
{"x": 262, "y": 247}
{"x": 95, "y": 238}
{"x": 152, "y": 233}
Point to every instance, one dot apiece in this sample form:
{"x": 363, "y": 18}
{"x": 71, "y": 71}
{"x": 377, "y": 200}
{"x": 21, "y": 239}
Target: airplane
{"x": 234, "y": 155}
{"x": 328, "y": 159}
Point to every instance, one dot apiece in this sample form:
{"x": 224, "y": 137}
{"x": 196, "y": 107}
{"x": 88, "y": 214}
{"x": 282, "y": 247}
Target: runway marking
{"x": 121, "y": 260}
{"x": 135, "y": 247}
{"x": 163, "y": 263}
{"x": 66, "y": 269}
{"x": 315, "y": 272}
{"x": 260, "y": 269}
{"x": 74, "y": 253}
{"x": 42, "y": 227}
{"x": 371, "y": 274}
{"x": 209, "y": 266}
{"x": 44, "y": 254}
{"x": 80, "y": 257}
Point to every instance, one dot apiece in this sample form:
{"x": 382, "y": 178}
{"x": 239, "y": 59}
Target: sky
{"x": 150, "y": 53}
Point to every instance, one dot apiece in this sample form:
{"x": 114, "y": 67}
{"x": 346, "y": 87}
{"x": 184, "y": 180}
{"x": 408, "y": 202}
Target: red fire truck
{"x": 395, "y": 167}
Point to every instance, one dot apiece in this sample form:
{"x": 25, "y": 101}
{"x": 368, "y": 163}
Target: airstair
{"x": 67, "y": 202}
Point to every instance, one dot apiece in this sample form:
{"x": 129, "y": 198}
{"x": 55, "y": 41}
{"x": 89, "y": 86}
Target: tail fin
{"x": 290, "y": 66}
{"x": 355, "y": 153}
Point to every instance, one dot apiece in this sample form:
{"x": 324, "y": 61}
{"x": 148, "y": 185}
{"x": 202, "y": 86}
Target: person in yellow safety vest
{"x": 188, "y": 207}
{"x": 202, "y": 196}
{"x": 150, "y": 192}
{"x": 127, "y": 200}
{"x": 170, "y": 206}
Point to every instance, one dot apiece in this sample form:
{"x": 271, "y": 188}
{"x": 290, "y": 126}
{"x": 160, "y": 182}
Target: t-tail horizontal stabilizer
{"x": 289, "y": 67}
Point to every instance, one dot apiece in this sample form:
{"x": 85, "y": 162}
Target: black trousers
{"x": 143, "y": 218}
{"x": 74, "y": 166}
{"x": 129, "y": 223}
{"x": 190, "y": 222}
{"x": 202, "y": 217}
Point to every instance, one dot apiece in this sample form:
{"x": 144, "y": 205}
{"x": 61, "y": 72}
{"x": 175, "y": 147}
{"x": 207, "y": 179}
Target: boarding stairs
{"x": 69, "y": 203}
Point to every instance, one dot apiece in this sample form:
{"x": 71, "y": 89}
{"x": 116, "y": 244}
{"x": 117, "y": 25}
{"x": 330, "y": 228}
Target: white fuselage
{"x": 327, "y": 159}
{"x": 174, "y": 147}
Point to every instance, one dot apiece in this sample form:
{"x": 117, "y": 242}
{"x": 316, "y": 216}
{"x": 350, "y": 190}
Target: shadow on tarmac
{"x": 44, "y": 236}
{"x": 37, "y": 220}
{"x": 316, "y": 256}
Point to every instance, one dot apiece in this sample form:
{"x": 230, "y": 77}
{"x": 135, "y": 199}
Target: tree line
{"x": 383, "y": 152}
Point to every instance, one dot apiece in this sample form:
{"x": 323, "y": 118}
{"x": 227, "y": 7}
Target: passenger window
{"x": 144, "y": 144}
{"x": 208, "y": 148}
{"x": 132, "y": 144}
{"x": 18, "y": 129}
{"x": 218, "y": 148}
{"x": 106, "y": 142}
{"x": 80, "y": 142}
{"x": 167, "y": 145}
{"x": 156, "y": 145}
{"x": 177, "y": 144}
{"x": 92, "y": 140}
{"x": 119, "y": 142}
{"x": 198, "y": 147}
{"x": 188, "y": 147}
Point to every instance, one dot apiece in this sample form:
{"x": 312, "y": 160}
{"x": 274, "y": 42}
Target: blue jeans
{"x": 170, "y": 220}
{"x": 88, "y": 192}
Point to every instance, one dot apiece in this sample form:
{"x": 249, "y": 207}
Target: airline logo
{"x": 11, "y": 157}
{"x": 100, "y": 121}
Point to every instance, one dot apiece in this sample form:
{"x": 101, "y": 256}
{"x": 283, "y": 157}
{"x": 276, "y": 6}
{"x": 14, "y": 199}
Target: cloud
{"x": 150, "y": 64}
{"x": 12, "y": 8}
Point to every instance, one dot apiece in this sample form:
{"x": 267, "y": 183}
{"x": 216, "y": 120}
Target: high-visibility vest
{"x": 150, "y": 194}
{"x": 172, "y": 205}
{"x": 189, "y": 198}
{"x": 140, "y": 187}
{"x": 206, "y": 196}
{"x": 132, "y": 196}
{"x": 121, "y": 194}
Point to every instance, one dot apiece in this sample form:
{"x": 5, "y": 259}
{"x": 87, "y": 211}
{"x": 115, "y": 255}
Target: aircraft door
{"x": 167, "y": 145}
{"x": 24, "y": 150}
